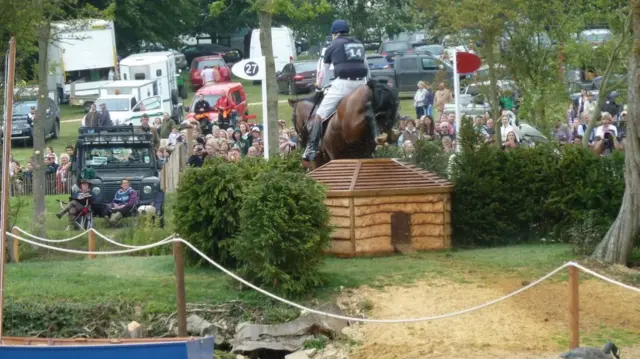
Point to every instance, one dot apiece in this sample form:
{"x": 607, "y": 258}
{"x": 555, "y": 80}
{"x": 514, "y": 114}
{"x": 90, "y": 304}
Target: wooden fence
{"x": 170, "y": 173}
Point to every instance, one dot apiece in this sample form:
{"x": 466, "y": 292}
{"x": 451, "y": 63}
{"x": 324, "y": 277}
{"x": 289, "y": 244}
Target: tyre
{"x": 292, "y": 88}
{"x": 56, "y": 129}
{"x": 87, "y": 106}
{"x": 182, "y": 91}
{"x": 174, "y": 97}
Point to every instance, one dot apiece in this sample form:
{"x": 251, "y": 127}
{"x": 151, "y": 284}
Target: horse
{"x": 352, "y": 130}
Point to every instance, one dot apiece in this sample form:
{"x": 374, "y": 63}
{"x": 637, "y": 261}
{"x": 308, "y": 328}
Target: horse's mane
{"x": 384, "y": 99}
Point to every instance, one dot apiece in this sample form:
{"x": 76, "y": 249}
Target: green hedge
{"x": 207, "y": 209}
{"x": 283, "y": 232}
{"x": 528, "y": 193}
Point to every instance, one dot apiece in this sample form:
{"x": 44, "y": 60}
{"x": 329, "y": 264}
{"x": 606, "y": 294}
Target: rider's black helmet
{"x": 340, "y": 26}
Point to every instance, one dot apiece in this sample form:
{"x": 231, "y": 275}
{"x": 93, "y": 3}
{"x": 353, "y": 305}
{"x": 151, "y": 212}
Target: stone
{"x": 135, "y": 330}
{"x": 297, "y": 355}
{"x": 289, "y": 336}
{"x": 311, "y": 352}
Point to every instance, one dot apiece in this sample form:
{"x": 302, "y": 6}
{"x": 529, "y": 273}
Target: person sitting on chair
{"x": 224, "y": 105}
{"x": 123, "y": 202}
{"x": 77, "y": 203}
{"x": 202, "y": 108}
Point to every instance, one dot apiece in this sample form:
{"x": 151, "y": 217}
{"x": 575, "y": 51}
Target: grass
{"x": 149, "y": 281}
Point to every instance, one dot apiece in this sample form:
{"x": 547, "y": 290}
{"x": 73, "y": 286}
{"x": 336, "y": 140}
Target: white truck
{"x": 82, "y": 55}
{"x": 283, "y": 42}
{"x": 158, "y": 66}
{"x": 130, "y": 99}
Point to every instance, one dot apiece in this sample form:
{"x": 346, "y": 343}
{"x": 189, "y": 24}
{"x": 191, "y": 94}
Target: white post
{"x": 265, "y": 120}
{"x": 456, "y": 94}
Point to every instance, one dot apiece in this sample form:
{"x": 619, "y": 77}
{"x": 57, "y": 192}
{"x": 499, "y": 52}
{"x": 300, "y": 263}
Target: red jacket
{"x": 224, "y": 103}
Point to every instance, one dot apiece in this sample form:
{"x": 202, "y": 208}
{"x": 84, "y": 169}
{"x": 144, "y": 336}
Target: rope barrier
{"x": 64, "y": 240}
{"x": 331, "y": 315}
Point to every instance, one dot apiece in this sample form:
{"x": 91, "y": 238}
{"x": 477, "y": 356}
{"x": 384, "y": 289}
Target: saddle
{"x": 317, "y": 99}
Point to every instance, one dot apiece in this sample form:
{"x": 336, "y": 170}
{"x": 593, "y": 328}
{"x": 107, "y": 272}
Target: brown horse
{"x": 351, "y": 132}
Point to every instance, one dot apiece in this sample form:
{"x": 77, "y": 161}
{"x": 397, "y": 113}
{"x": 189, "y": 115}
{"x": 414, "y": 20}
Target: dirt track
{"x": 531, "y": 325}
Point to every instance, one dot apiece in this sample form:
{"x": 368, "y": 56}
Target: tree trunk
{"x": 43, "y": 34}
{"x": 265, "y": 19}
{"x": 618, "y": 243}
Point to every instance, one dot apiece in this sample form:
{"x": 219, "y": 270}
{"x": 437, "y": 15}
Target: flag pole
{"x": 456, "y": 94}
{"x": 4, "y": 221}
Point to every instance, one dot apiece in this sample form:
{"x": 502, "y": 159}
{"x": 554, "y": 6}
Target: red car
{"x": 213, "y": 92}
{"x": 199, "y": 63}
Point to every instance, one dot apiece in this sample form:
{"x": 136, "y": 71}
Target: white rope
{"x": 331, "y": 315}
{"x": 606, "y": 279}
{"x": 64, "y": 240}
{"x": 46, "y": 240}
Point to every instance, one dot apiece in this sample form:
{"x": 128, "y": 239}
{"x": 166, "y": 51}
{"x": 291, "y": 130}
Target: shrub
{"x": 430, "y": 156}
{"x": 207, "y": 210}
{"x": 587, "y": 231}
{"x": 390, "y": 151}
{"x": 283, "y": 232}
{"x": 510, "y": 197}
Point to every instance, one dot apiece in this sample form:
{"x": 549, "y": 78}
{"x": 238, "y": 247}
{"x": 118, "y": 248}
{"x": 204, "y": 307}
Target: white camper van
{"x": 128, "y": 100}
{"x": 158, "y": 66}
{"x": 83, "y": 53}
{"x": 284, "y": 45}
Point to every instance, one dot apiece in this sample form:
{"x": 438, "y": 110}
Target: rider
{"x": 347, "y": 55}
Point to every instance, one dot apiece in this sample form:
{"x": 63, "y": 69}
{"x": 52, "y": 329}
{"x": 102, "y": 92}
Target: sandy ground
{"x": 527, "y": 326}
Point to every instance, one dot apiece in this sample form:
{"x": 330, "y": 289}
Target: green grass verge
{"x": 149, "y": 281}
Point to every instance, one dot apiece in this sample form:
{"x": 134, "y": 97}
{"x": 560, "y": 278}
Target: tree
{"x": 266, "y": 9}
{"x": 480, "y": 21}
{"x": 45, "y": 12}
{"x": 153, "y": 22}
{"x": 532, "y": 53}
{"x": 618, "y": 243}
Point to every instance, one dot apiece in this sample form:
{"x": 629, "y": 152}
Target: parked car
{"x": 297, "y": 77}
{"x": 411, "y": 68}
{"x": 22, "y": 130}
{"x": 595, "y": 37}
{"x": 377, "y": 62}
{"x": 230, "y": 56}
{"x": 435, "y": 49}
{"x": 199, "y": 63}
{"x": 213, "y": 92}
{"x": 389, "y": 49}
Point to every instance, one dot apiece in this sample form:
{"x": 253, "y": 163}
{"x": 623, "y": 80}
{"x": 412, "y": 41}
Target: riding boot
{"x": 312, "y": 147}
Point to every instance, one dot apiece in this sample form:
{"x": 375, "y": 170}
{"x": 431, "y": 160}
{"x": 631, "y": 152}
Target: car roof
{"x": 216, "y": 89}
{"x": 595, "y": 31}
{"x": 208, "y": 57}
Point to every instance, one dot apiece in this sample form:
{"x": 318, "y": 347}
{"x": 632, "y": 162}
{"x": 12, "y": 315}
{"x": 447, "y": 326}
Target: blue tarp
{"x": 194, "y": 349}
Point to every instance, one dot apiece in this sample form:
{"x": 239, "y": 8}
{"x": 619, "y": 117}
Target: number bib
{"x": 354, "y": 51}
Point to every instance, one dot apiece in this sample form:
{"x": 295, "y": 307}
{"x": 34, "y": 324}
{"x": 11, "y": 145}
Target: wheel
{"x": 174, "y": 97}
{"x": 292, "y": 88}
{"x": 87, "y": 106}
{"x": 182, "y": 91}
{"x": 56, "y": 129}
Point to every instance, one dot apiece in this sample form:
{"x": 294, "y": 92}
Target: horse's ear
{"x": 292, "y": 102}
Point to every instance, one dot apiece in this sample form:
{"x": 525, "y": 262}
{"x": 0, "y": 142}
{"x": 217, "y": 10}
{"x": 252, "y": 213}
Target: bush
{"x": 585, "y": 233}
{"x": 390, "y": 151}
{"x": 527, "y": 193}
{"x": 283, "y": 232}
{"x": 207, "y": 210}
{"x": 430, "y": 156}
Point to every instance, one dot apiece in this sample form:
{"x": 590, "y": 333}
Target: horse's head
{"x": 385, "y": 102}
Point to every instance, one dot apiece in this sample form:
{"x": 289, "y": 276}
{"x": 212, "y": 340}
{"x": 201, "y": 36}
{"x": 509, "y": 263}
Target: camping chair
{"x": 84, "y": 219}
{"x": 155, "y": 207}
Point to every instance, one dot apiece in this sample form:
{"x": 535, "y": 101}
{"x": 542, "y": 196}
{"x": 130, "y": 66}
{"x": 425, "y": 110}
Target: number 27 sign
{"x": 249, "y": 69}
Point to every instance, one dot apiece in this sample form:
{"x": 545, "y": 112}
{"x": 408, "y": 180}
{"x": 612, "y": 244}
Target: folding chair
{"x": 84, "y": 219}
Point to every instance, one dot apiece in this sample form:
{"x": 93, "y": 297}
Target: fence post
{"x": 574, "y": 308}
{"x": 92, "y": 244}
{"x": 15, "y": 247}
{"x": 178, "y": 257}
